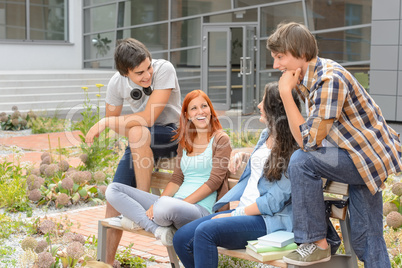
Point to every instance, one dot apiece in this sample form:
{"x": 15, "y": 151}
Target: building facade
{"x": 218, "y": 46}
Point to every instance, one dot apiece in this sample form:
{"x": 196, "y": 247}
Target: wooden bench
{"x": 159, "y": 180}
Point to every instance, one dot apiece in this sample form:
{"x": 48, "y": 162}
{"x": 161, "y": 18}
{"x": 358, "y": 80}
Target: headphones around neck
{"x": 136, "y": 93}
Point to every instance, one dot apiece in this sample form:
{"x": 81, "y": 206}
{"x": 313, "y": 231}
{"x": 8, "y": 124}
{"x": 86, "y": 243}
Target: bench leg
{"x": 174, "y": 261}
{"x": 101, "y": 250}
{"x": 345, "y": 228}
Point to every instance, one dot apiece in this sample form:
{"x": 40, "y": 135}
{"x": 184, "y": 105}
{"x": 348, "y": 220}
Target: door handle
{"x": 250, "y": 65}
{"x": 241, "y": 66}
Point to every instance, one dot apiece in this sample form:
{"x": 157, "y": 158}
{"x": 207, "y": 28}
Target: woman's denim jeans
{"x": 196, "y": 242}
{"x": 366, "y": 219}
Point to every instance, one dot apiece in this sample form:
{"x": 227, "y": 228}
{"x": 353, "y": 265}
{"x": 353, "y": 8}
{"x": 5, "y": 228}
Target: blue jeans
{"x": 162, "y": 146}
{"x": 366, "y": 219}
{"x": 196, "y": 242}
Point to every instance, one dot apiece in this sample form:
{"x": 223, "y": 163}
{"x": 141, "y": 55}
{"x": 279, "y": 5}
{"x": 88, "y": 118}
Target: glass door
{"x": 228, "y": 66}
{"x": 247, "y": 69}
{"x": 215, "y": 62}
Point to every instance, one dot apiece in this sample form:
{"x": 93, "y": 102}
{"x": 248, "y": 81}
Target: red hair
{"x": 186, "y": 132}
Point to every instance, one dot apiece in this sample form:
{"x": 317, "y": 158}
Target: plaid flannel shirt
{"x": 336, "y": 101}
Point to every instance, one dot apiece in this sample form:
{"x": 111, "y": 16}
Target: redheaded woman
{"x": 199, "y": 177}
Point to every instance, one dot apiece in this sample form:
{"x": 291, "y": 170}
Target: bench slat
{"x": 336, "y": 187}
{"x": 166, "y": 163}
{"x": 159, "y": 180}
{"x": 138, "y": 231}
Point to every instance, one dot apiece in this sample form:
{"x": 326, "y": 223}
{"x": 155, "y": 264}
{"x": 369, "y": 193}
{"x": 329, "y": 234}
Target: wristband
{"x": 238, "y": 212}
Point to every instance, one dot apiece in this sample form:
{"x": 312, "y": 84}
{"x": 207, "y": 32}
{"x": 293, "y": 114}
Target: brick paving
{"x": 85, "y": 220}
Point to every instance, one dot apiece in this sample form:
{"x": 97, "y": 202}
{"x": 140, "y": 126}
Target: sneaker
{"x": 116, "y": 221}
{"x": 128, "y": 224}
{"x": 308, "y": 254}
{"x": 165, "y": 235}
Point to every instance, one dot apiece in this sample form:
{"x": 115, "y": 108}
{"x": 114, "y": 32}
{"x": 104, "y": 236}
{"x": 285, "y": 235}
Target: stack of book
{"x": 272, "y": 246}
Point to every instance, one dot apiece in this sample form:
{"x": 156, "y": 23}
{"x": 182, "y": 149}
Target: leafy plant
{"x": 16, "y": 121}
{"x": 101, "y": 151}
{"x": 63, "y": 186}
{"x": 12, "y": 185}
{"x": 227, "y": 262}
{"x": 102, "y": 45}
{"x": 89, "y": 118}
{"x": 127, "y": 260}
{"x": 43, "y": 124}
{"x": 243, "y": 139}
{"x": 62, "y": 248}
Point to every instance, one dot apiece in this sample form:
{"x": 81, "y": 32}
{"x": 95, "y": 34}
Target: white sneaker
{"x": 165, "y": 234}
{"x": 116, "y": 221}
{"x": 128, "y": 224}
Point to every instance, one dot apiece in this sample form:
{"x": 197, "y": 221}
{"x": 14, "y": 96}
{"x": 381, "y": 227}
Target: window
{"x": 33, "y": 20}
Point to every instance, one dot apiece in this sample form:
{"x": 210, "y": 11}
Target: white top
{"x": 257, "y": 162}
{"x": 164, "y": 77}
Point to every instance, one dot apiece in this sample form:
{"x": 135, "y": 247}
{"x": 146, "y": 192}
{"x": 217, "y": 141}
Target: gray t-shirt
{"x": 164, "y": 77}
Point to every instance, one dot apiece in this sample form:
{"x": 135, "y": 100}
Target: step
{"x": 55, "y": 74}
{"x": 53, "y": 96}
{"x": 49, "y": 89}
{"x": 53, "y": 82}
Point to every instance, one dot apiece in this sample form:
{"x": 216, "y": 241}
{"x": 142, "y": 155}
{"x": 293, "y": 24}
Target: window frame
{"x": 28, "y": 29}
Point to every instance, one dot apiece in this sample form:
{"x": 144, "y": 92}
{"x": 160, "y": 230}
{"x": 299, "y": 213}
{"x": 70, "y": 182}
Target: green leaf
{"x": 83, "y": 193}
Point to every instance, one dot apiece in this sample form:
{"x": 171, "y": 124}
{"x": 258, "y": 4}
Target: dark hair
{"x": 294, "y": 38}
{"x": 129, "y": 54}
{"x": 186, "y": 131}
{"x": 277, "y": 122}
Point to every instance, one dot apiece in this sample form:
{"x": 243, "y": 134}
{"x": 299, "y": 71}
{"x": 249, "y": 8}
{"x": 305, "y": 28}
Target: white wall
{"x": 25, "y": 56}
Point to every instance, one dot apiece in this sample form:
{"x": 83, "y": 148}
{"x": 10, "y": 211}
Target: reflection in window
{"x": 47, "y": 20}
{"x": 332, "y": 14}
{"x": 100, "y": 18}
{"x": 12, "y": 26}
{"x": 188, "y": 68}
{"x": 187, "y": 62}
{"x": 186, "y": 33}
{"x": 184, "y": 8}
{"x": 344, "y": 46}
{"x": 159, "y": 55}
{"x": 136, "y": 12}
{"x": 155, "y": 37}
{"x": 99, "y": 46}
{"x": 273, "y": 15}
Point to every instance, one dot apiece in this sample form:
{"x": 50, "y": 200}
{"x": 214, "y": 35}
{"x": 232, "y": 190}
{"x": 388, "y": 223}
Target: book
{"x": 257, "y": 247}
{"x": 277, "y": 239}
{"x": 267, "y": 256}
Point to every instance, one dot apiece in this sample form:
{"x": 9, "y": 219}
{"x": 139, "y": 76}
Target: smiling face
{"x": 199, "y": 112}
{"x": 142, "y": 74}
{"x": 285, "y": 61}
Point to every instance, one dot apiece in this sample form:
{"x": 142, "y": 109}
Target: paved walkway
{"x": 85, "y": 221}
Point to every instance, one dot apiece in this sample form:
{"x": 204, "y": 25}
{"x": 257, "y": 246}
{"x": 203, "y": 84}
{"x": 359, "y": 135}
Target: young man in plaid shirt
{"x": 344, "y": 138}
